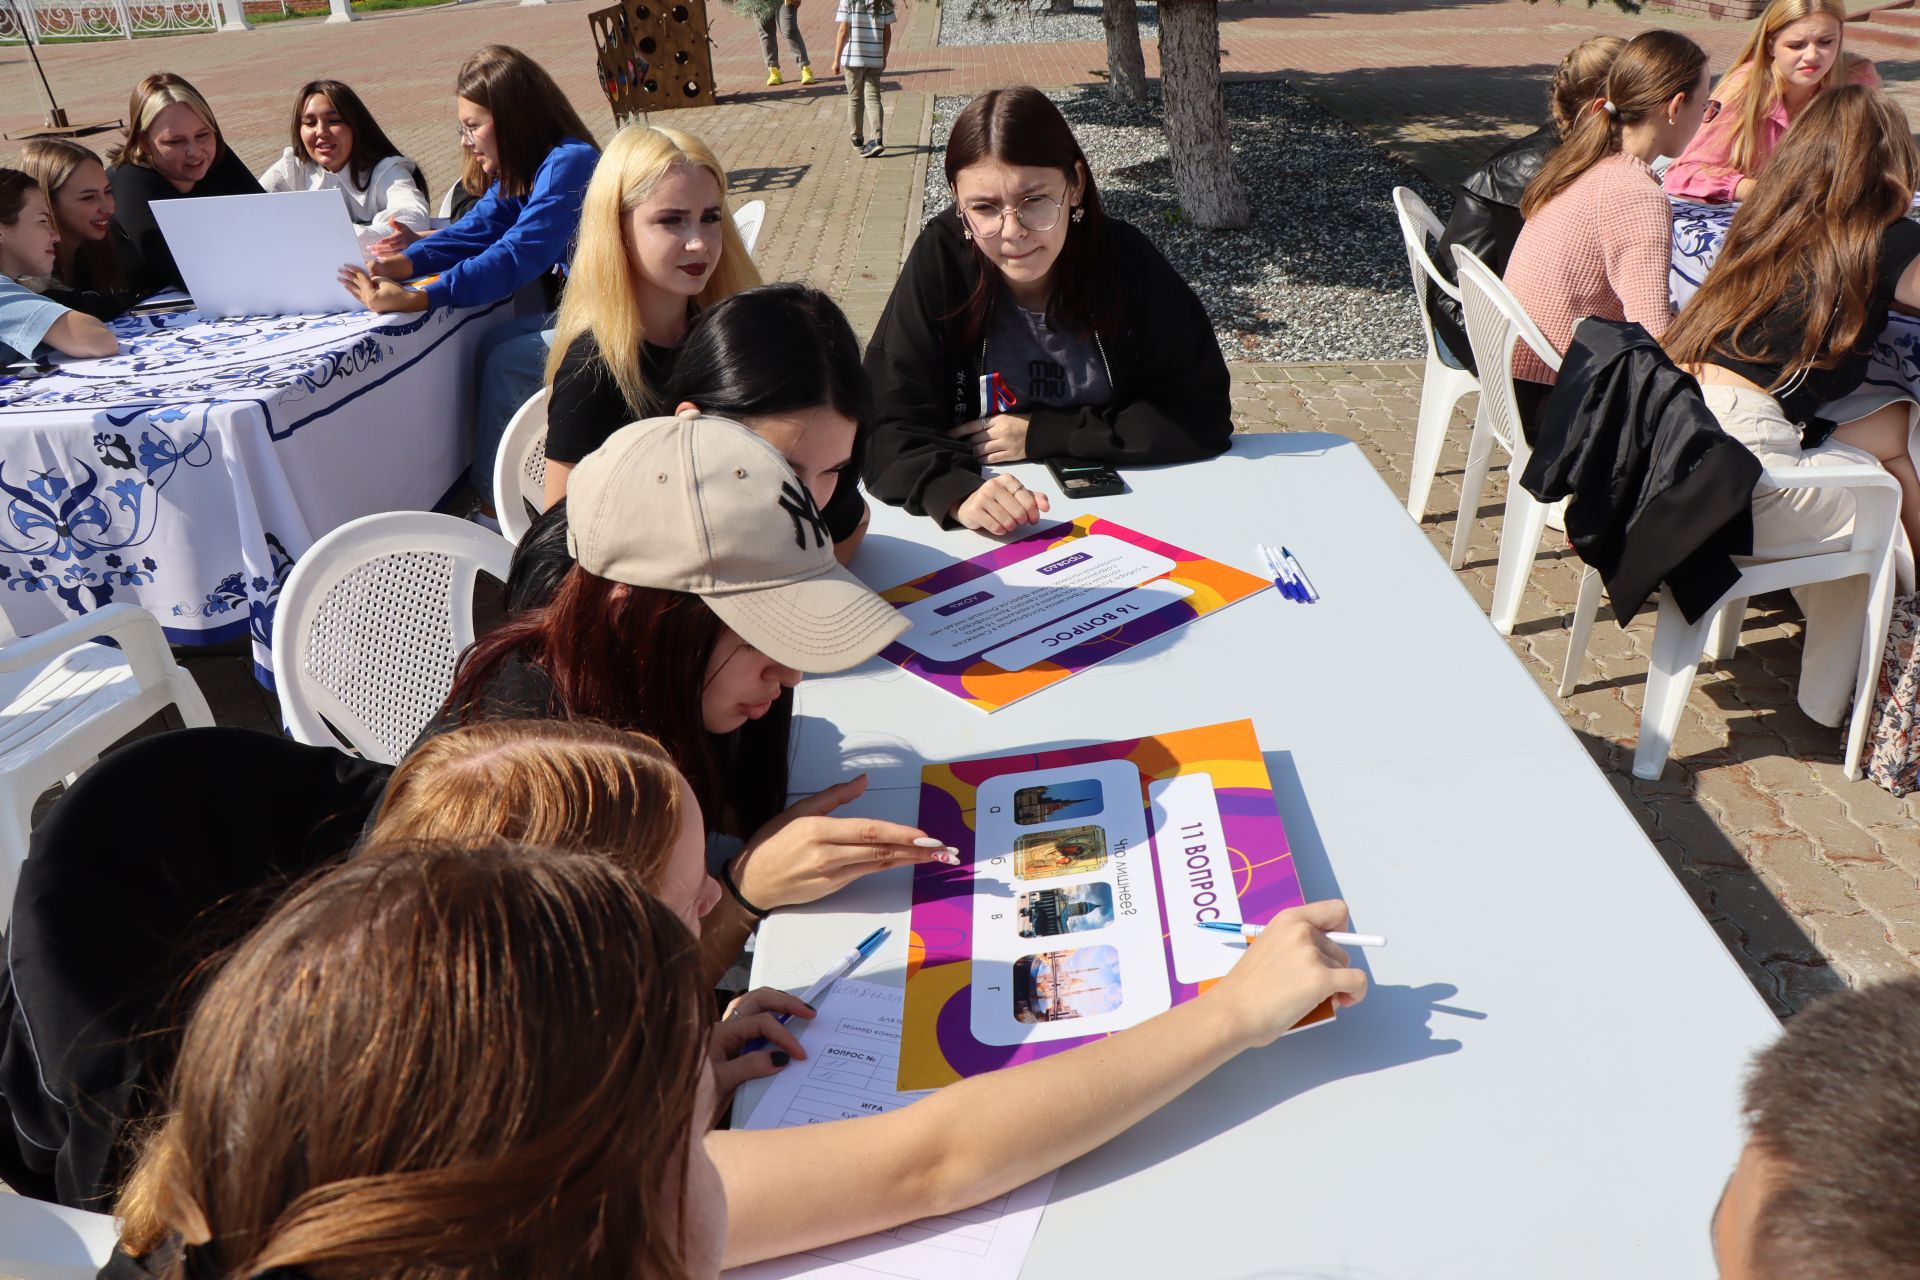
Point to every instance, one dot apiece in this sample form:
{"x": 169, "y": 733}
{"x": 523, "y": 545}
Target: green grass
{"x": 308, "y": 9}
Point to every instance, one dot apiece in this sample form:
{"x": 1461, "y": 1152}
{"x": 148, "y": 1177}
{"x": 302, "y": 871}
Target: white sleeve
{"x": 395, "y": 195}
{"x": 284, "y": 174}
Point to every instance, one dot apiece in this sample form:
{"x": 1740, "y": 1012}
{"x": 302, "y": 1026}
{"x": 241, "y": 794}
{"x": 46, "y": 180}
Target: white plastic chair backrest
{"x": 1419, "y": 224}
{"x": 747, "y": 219}
{"x": 520, "y": 469}
{"x": 41, "y": 1241}
{"x": 371, "y": 623}
{"x": 1496, "y": 323}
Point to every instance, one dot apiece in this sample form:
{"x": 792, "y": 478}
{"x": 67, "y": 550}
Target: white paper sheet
{"x": 853, "y": 1050}
{"x": 266, "y": 255}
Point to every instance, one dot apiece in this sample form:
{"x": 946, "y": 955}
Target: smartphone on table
{"x": 1080, "y": 479}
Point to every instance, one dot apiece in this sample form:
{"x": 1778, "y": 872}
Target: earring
{"x": 966, "y": 232}
{"x": 1078, "y": 213}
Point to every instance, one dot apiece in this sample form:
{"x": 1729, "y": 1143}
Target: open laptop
{"x": 265, "y": 255}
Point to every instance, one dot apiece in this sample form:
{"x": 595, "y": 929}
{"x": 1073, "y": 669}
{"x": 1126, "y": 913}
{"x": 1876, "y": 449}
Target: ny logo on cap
{"x": 798, "y": 503}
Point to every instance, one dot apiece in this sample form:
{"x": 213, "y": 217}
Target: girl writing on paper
{"x": 657, "y": 246}
{"x": 28, "y": 245}
{"x": 703, "y": 586}
{"x": 1108, "y": 354}
{"x": 538, "y": 156}
{"x": 172, "y": 149}
{"x": 86, "y": 271}
{"x": 337, "y": 145}
{"x": 1598, "y": 239}
{"x": 1780, "y": 335}
{"x": 968, "y": 1142}
{"x": 1797, "y": 50}
{"x": 529, "y": 1102}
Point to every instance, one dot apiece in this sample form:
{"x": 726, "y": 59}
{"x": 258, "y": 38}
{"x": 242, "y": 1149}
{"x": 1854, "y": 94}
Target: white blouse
{"x": 390, "y": 192}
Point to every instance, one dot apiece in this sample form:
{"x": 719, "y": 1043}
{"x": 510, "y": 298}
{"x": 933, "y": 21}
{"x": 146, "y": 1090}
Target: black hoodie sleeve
{"x": 920, "y": 382}
{"x": 145, "y": 258}
{"x": 1171, "y": 401}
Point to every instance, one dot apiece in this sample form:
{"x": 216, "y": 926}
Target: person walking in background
{"x": 785, "y": 14}
{"x": 860, "y": 45}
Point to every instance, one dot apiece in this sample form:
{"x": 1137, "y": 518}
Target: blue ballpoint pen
{"x": 1281, "y": 582}
{"x": 841, "y": 968}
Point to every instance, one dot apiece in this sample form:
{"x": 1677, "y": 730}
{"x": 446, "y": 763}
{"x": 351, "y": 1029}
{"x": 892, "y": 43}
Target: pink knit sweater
{"x": 1602, "y": 247}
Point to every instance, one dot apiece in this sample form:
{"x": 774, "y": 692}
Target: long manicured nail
{"x": 949, "y": 856}
{"x": 781, "y": 1058}
{"x": 928, "y": 842}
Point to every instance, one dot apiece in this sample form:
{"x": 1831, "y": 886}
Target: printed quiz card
{"x": 1012, "y": 620}
{"x": 1084, "y": 875}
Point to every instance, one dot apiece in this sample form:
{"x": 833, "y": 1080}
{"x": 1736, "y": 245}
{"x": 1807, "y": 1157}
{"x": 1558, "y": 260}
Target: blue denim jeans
{"x": 513, "y": 361}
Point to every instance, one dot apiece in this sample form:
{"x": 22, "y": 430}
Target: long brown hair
{"x": 636, "y": 658}
{"x": 558, "y": 784}
{"x": 370, "y": 142}
{"x": 531, "y": 116}
{"x": 1021, "y": 126}
{"x": 1808, "y": 239}
{"x": 150, "y": 97}
{"x": 451, "y": 1061}
{"x": 1754, "y": 63}
{"x": 52, "y": 162}
{"x": 1653, "y": 67}
{"x": 1582, "y": 79}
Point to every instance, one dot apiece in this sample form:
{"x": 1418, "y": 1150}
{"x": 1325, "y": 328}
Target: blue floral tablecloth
{"x": 1698, "y": 232}
{"x": 190, "y": 471}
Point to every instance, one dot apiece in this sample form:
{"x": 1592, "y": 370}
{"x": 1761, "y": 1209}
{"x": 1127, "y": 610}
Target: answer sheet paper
{"x": 853, "y": 1054}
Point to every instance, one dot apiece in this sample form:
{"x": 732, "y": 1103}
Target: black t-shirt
{"x": 586, "y": 406}
{"x": 145, "y": 259}
{"x": 1781, "y": 333}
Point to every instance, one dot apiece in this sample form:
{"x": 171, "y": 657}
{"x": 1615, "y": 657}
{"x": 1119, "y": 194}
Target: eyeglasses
{"x": 1712, "y": 112}
{"x": 469, "y": 134}
{"x": 1035, "y": 213}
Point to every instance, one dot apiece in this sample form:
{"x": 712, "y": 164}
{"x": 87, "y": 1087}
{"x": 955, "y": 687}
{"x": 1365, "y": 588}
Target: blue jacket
{"x": 505, "y": 242}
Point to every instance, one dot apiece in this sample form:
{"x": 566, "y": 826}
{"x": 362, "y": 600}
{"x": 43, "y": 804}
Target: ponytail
{"x": 1650, "y": 70}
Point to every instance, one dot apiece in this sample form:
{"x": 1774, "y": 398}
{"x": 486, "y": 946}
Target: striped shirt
{"x": 866, "y": 22}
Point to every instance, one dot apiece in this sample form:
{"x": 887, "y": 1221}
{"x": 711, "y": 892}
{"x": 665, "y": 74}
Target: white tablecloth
{"x": 189, "y": 472}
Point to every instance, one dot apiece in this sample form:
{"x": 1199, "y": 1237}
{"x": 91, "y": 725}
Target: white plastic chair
{"x": 1679, "y": 645}
{"x": 65, "y": 698}
{"x": 747, "y": 220}
{"x": 41, "y": 1241}
{"x": 520, "y": 469}
{"x": 371, "y": 623}
{"x": 1496, "y": 324}
{"x": 1442, "y": 386}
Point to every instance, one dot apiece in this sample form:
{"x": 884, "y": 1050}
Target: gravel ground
{"x": 1320, "y": 275}
{"x": 1029, "y": 22}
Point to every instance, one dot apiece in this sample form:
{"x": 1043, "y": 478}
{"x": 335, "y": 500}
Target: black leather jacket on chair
{"x": 1486, "y": 219}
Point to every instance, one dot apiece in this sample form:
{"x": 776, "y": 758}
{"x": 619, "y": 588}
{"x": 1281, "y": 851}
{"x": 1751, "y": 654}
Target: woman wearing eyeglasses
{"x": 1795, "y": 51}
{"x": 1027, "y": 324}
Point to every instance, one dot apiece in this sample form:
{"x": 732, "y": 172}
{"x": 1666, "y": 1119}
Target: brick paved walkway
{"x": 1811, "y": 880}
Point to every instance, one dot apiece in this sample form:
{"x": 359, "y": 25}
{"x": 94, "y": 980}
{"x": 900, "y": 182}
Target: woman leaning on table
{"x": 1110, "y": 355}
{"x": 173, "y": 149}
{"x": 28, "y": 321}
{"x": 86, "y": 274}
{"x": 1797, "y": 50}
{"x": 589, "y": 788}
{"x": 1780, "y": 335}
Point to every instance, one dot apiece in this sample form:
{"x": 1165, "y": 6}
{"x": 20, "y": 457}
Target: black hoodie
{"x": 1170, "y": 401}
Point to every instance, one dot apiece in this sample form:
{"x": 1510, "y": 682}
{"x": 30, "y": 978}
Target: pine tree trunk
{"x": 1203, "y": 176}
{"x": 1126, "y": 64}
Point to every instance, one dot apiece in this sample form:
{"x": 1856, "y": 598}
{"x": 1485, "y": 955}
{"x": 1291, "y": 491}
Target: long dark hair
{"x": 1021, "y": 126}
{"x": 635, "y": 658}
{"x": 777, "y": 348}
{"x": 370, "y": 142}
{"x": 1653, "y": 67}
{"x": 531, "y": 116}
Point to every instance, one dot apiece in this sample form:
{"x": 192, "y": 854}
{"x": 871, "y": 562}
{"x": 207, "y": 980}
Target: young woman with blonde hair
{"x": 657, "y": 243}
{"x": 86, "y": 274}
{"x": 1598, "y": 239}
{"x": 435, "y": 1061}
{"x": 1797, "y": 50}
{"x": 172, "y": 148}
{"x": 1780, "y": 334}
{"x": 966, "y": 1143}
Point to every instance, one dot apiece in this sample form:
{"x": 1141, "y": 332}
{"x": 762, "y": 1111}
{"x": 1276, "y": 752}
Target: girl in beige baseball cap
{"x": 704, "y": 586}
